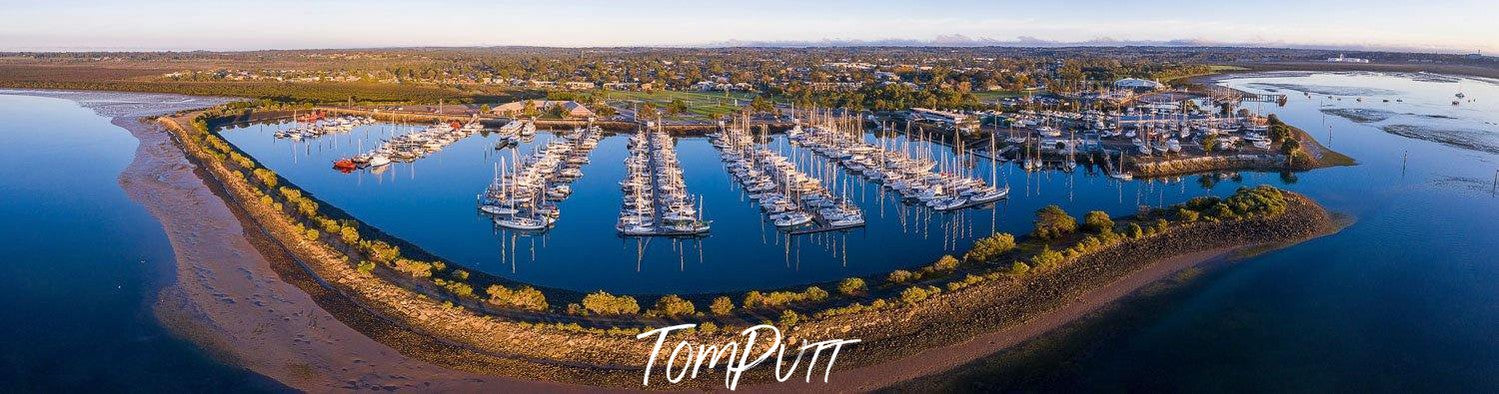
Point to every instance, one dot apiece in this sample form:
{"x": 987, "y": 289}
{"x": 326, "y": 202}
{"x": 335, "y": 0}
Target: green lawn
{"x": 700, "y": 104}
{"x": 1212, "y": 69}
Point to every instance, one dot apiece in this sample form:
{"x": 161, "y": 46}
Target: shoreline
{"x": 229, "y": 298}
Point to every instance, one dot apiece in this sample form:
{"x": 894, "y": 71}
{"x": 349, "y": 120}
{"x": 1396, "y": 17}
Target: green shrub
{"x": 1186, "y": 215}
{"x": 852, "y": 286}
{"x": 524, "y": 298}
{"x": 789, "y": 318}
{"x": 815, "y": 294}
{"x": 721, "y": 306}
{"x": 990, "y": 247}
{"x": 1048, "y": 259}
{"x": 1052, "y": 223}
{"x": 1019, "y": 268}
{"x": 1098, "y": 222}
{"x": 753, "y": 299}
{"x": 673, "y": 306}
{"x": 603, "y": 303}
{"x": 416, "y": 269}
{"x": 899, "y": 277}
{"x": 945, "y": 264}
{"x": 914, "y": 294}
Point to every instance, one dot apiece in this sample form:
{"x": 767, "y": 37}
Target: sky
{"x": 1460, "y": 26}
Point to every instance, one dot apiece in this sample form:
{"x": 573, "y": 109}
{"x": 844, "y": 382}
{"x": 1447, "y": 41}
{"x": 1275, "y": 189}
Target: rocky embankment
{"x": 1199, "y": 164}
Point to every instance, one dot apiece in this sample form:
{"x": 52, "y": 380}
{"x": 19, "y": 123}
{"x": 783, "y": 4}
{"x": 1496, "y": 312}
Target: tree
{"x": 899, "y": 276}
{"x": 1098, "y": 222}
{"x": 852, "y": 286}
{"x": 1052, "y": 223}
{"x": 761, "y": 104}
{"x": 529, "y": 108}
{"x": 676, "y": 107}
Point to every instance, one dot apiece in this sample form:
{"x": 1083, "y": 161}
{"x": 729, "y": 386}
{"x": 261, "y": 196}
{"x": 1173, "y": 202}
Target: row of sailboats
{"x": 415, "y": 145}
{"x": 656, "y": 200}
{"x": 524, "y": 191}
{"x": 790, "y": 198}
{"x": 942, "y": 184}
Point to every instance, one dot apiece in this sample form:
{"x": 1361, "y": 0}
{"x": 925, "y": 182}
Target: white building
{"x": 1137, "y": 83}
{"x": 1343, "y": 59}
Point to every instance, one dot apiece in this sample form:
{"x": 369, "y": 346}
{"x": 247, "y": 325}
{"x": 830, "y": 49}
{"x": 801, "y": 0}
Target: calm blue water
{"x": 83, "y": 264}
{"x": 1404, "y": 300}
{"x": 431, "y": 203}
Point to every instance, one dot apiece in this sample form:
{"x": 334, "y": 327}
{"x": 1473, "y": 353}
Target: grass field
{"x": 699, "y": 104}
{"x": 1213, "y": 69}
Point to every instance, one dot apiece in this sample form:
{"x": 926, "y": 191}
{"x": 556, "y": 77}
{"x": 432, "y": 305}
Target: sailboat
{"x": 1119, "y": 172}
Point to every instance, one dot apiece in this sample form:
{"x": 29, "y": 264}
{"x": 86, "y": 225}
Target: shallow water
{"x": 1403, "y": 300}
{"x": 84, "y": 262}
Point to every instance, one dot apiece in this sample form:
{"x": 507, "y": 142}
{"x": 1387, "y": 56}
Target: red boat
{"x": 344, "y": 166}
{"x": 455, "y": 125}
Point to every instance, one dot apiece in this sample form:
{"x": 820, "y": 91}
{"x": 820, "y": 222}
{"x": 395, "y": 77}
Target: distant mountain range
{"x": 959, "y": 40}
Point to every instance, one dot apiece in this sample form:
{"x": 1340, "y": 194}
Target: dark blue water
{"x": 83, "y": 264}
{"x": 1406, "y": 299}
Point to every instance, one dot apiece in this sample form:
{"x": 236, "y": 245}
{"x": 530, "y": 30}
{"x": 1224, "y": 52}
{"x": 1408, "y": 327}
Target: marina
{"x": 432, "y": 203}
{"x": 809, "y": 170}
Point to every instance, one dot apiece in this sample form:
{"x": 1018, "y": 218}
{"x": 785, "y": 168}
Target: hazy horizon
{"x": 172, "y": 25}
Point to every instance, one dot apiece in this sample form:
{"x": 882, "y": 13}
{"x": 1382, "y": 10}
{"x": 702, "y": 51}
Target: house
{"x": 571, "y": 109}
